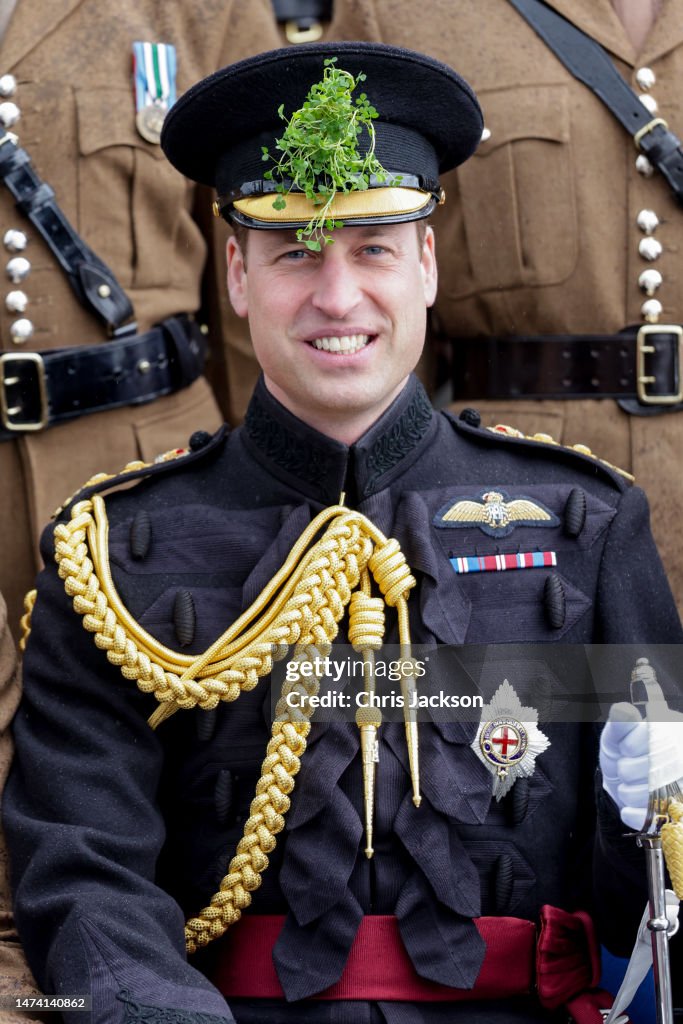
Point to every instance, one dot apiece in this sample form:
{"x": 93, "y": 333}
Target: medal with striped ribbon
{"x": 154, "y": 74}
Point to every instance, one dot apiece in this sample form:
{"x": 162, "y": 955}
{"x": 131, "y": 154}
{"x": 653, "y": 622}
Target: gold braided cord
{"x": 301, "y": 607}
{"x": 366, "y": 618}
{"x": 289, "y": 732}
{"x": 314, "y": 587}
{"x": 672, "y": 845}
{"x": 25, "y": 621}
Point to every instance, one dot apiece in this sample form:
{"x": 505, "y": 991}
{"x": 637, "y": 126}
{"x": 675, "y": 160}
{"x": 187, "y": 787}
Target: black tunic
{"x": 117, "y": 833}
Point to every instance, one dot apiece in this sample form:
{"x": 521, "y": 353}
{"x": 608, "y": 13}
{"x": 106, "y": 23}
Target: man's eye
{"x": 374, "y": 250}
{"x": 295, "y": 254}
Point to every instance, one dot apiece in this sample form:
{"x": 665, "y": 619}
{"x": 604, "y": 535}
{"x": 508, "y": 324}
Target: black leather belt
{"x": 39, "y": 389}
{"x": 640, "y": 366}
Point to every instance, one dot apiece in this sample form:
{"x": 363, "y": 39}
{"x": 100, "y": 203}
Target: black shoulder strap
{"x": 92, "y": 280}
{"x": 588, "y": 62}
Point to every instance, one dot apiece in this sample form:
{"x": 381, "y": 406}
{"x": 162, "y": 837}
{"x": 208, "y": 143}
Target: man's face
{"x": 336, "y": 332}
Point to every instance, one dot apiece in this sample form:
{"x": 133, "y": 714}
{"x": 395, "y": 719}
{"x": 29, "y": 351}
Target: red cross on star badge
{"x": 508, "y": 740}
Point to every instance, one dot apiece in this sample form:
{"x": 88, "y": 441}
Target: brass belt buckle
{"x": 304, "y": 31}
{"x": 643, "y": 379}
{"x": 17, "y": 383}
{"x": 649, "y": 127}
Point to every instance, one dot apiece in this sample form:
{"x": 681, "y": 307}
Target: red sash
{"x": 563, "y": 965}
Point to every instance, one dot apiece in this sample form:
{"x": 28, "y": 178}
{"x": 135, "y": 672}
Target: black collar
{"x": 322, "y": 468}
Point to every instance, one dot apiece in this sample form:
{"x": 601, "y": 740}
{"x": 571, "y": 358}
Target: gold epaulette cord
{"x": 300, "y": 608}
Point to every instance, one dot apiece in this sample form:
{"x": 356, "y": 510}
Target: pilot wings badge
{"x": 495, "y": 513}
{"x": 508, "y": 739}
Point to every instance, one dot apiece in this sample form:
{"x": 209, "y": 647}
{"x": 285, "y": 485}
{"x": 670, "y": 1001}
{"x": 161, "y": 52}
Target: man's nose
{"x": 337, "y": 289}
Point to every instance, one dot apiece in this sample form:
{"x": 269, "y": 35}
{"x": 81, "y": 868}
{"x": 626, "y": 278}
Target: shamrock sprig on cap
{"x": 319, "y": 150}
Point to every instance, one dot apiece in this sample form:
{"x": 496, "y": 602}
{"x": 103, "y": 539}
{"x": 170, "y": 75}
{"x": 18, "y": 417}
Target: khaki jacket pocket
{"x": 131, "y": 200}
{"x": 517, "y": 195}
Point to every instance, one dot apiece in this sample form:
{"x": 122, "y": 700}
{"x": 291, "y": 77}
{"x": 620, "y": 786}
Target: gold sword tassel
{"x": 368, "y": 721}
{"x": 394, "y": 580}
{"x": 672, "y": 844}
{"x": 366, "y": 634}
{"x": 409, "y": 691}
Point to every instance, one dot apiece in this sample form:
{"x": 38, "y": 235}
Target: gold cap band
{"x": 374, "y": 202}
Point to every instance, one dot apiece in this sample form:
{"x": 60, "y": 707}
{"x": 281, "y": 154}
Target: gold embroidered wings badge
{"x": 495, "y": 513}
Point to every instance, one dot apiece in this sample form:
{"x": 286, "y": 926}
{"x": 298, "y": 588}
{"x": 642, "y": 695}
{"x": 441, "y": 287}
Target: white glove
{"x": 638, "y": 756}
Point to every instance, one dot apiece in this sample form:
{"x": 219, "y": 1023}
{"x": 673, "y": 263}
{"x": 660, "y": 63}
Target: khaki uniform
{"x": 539, "y": 232}
{"x": 72, "y": 60}
{"x": 15, "y": 976}
{"x": 73, "y": 66}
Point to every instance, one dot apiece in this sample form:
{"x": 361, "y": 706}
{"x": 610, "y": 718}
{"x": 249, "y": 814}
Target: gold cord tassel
{"x": 389, "y": 568}
{"x": 672, "y": 845}
{"x": 301, "y": 608}
{"x": 368, "y": 721}
{"x": 408, "y": 689}
{"x": 366, "y": 634}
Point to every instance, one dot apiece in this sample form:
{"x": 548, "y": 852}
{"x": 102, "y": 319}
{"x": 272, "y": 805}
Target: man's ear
{"x": 428, "y": 266}
{"x": 237, "y": 277}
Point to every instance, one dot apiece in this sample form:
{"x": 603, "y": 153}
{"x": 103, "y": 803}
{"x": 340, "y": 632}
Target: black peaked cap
{"x": 207, "y": 132}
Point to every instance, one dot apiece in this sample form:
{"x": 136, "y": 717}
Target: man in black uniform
{"x": 119, "y": 831}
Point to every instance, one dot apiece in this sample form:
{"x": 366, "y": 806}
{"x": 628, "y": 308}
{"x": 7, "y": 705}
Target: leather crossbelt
{"x": 38, "y": 389}
{"x": 588, "y": 62}
{"x": 640, "y": 366}
{"x": 89, "y": 276}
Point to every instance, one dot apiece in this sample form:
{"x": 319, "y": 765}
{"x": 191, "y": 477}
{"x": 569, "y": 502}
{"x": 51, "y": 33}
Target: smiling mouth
{"x": 344, "y": 344}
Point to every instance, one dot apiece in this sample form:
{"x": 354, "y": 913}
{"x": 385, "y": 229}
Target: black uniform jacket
{"x": 118, "y": 832}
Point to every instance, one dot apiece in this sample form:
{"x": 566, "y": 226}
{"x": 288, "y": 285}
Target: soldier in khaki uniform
{"x": 15, "y": 976}
{"x": 68, "y": 94}
{"x": 558, "y": 225}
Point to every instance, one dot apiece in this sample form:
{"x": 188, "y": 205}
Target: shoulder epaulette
{"x": 200, "y": 445}
{"x": 512, "y": 435}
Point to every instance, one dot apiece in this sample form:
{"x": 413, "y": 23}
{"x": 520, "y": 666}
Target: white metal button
{"x": 645, "y": 77}
{"x": 650, "y": 280}
{"x": 8, "y": 85}
{"x": 651, "y": 310}
{"x": 21, "y": 331}
{"x": 9, "y": 114}
{"x": 643, "y": 166}
{"x": 16, "y": 301}
{"x": 15, "y": 240}
{"x": 648, "y": 100}
{"x": 647, "y": 221}
{"x": 17, "y": 269}
{"x": 649, "y": 248}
